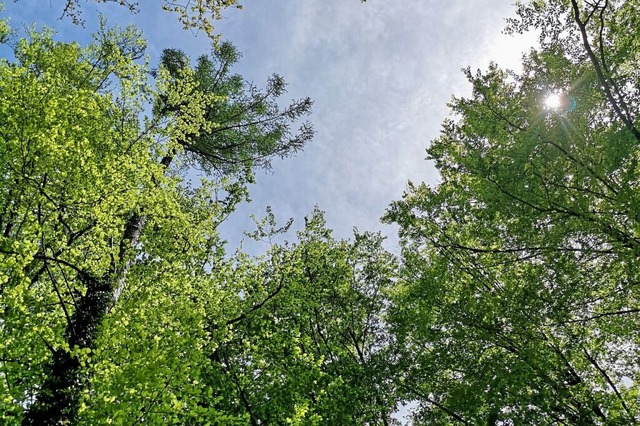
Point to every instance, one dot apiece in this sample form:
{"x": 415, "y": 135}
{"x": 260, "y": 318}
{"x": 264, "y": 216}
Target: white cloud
{"x": 381, "y": 74}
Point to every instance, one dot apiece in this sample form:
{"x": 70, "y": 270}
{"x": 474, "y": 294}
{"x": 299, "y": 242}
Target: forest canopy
{"x": 513, "y": 299}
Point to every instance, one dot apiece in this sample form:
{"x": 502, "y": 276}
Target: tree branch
{"x": 604, "y": 80}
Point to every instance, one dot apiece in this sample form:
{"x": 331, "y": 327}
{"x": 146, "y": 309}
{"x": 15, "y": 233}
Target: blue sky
{"x": 380, "y": 74}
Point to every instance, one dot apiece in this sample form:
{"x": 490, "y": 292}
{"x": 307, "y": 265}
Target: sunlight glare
{"x": 553, "y": 101}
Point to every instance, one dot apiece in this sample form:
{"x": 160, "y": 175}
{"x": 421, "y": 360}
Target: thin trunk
{"x": 133, "y": 230}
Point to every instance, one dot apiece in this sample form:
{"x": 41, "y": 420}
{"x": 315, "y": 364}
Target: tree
{"x": 311, "y": 345}
{"x": 521, "y": 267}
{"x": 248, "y": 127}
{"x": 110, "y": 261}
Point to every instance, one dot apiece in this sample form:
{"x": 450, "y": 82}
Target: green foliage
{"x": 65, "y": 169}
{"x": 310, "y": 345}
{"x": 111, "y": 269}
{"x": 118, "y": 304}
{"x": 192, "y": 14}
{"x": 198, "y": 14}
{"x": 246, "y": 125}
{"x": 515, "y": 301}
{"x": 518, "y": 302}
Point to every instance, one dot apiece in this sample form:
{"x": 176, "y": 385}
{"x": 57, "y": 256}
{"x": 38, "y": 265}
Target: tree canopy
{"x": 95, "y": 207}
{"x": 521, "y": 266}
{"x": 514, "y": 298}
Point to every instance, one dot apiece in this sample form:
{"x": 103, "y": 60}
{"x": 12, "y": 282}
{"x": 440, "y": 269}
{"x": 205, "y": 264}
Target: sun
{"x": 553, "y": 101}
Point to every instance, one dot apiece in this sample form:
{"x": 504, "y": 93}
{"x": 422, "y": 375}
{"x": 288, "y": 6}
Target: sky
{"x": 380, "y": 74}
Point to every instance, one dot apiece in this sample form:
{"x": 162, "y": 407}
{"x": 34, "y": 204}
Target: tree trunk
{"x": 58, "y": 398}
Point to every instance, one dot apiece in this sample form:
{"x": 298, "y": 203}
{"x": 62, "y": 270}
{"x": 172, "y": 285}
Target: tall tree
{"x": 96, "y": 214}
{"x": 311, "y": 345}
{"x": 521, "y": 266}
